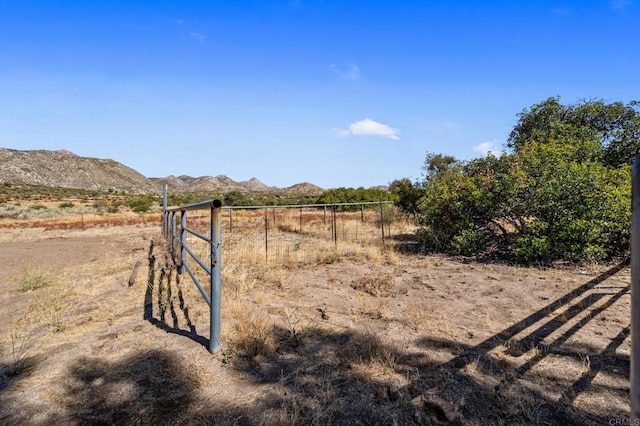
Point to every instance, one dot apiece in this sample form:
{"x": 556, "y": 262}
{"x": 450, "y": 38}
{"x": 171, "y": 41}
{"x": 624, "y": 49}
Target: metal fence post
{"x": 635, "y": 293}
{"x": 183, "y": 240}
{"x": 382, "y": 225}
{"x": 174, "y": 231}
{"x": 266, "y": 235}
{"x": 216, "y": 268}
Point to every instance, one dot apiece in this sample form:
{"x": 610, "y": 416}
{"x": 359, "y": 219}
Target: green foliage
{"x": 38, "y": 207}
{"x": 613, "y": 127}
{"x": 407, "y": 194}
{"x": 556, "y": 197}
{"x": 66, "y": 205}
{"x": 352, "y": 195}
{"x": 141, "y": 204}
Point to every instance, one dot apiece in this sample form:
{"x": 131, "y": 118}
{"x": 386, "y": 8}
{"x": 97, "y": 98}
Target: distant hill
{"x": 68, "y": 170}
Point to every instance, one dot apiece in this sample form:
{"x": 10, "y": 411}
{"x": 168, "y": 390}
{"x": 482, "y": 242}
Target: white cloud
{"x": 197, "y": 36}
{"x": 351, "y": 72}
{"x": 486, "y": 147}
{"x": 367, "y": 127}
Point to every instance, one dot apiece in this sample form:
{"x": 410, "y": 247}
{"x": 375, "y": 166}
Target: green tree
{"x": 407, "y": 195}
{"x": 614, "y": 127}
{"x": 562, "y": 193}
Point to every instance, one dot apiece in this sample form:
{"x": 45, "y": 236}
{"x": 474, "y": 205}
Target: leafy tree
{"x": 615, "y": 127}
{"x": 407, "y": 194}
{"x": 563, "y": 193}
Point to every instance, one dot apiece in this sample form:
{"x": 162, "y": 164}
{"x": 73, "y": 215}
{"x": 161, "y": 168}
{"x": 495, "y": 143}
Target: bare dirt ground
{"x": 410, "y": 340}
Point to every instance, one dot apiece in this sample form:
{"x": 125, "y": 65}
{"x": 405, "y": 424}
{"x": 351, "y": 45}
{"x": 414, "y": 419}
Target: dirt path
{"x": 416, "y": 340}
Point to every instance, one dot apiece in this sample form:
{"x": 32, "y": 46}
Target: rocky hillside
{"x": 68, "y": 170}
{"x": 222, "y": 183}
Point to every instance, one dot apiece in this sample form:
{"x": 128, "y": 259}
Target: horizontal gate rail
{"x": 213, "y": 270}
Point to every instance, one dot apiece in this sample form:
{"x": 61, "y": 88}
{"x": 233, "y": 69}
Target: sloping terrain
{"x": 68, "y": 170}
{"x": 65, "y": 169}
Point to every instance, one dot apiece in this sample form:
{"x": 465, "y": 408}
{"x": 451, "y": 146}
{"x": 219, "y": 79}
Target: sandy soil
{"x": 415, "y": 340}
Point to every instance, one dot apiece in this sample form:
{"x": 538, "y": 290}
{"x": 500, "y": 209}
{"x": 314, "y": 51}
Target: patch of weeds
{"x": 378, "y": 284}
{"x": 66, "y": 205}
{"x": 34, "y": 278}
{"x": 38, "y": 207}
{"x": 295, "y": 325}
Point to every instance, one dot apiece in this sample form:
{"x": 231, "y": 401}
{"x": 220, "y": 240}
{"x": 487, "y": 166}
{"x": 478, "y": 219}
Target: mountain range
{"x": 65, "y": 169}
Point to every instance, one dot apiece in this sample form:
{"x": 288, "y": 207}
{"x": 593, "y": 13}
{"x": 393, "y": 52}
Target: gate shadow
{"x": 164, "y": 280}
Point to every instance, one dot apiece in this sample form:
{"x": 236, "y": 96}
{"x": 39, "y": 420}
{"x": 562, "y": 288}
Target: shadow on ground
{"x": 163, "y": 281}
{"x": 328, "y": 377}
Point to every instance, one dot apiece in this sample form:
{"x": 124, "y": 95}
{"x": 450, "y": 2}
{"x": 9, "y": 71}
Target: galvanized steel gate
{"x": 178, "y": 241}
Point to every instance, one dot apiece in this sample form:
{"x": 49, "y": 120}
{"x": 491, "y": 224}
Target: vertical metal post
{"x": 266, "y": 235}
{"x": 230, "y": 220}
{"x": 362, "y": 213}
{"x": 183, "y": 241}
{"x": 382, "y": 225}
{"x": 300, "y": 231}
{"x": 635, "y": 293}
{"x": 165, "y": 191}
{"x": 274, "y": 215}
{"x": 174, "y": 231}
{"x": 216, "y": 268}
{"x": 325, "y": 215}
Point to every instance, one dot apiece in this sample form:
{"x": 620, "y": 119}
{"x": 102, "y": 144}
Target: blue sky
{"x": 337, "y": 93}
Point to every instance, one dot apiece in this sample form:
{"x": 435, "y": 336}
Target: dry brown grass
{"x": 377, "y": 283}
{"x": 327, "y": 337}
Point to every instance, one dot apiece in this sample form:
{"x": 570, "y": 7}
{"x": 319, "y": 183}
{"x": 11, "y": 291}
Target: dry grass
{"x": 34, "y": 278}
{"x": 377, "y": 283}
{"x": 310, "y": 335}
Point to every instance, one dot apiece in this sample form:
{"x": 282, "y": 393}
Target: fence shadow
{"x": 163, "y": 280}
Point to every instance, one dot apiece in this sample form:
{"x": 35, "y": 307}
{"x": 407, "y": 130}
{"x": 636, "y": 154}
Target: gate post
{"x": 216, "y": 267}
{"x": 635, "y": 293}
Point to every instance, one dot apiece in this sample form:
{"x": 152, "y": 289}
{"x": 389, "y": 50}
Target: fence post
{"x": 164, "y": 210}
{"x": 230, "y": 220}
{"x": 635, "y": 293}
{"x": 174, "y": 231}
{"x": 384, "y": 247}
{"x": 325, "y": 215}
{"x": 266, "y": 235}
{"x": 183, "y": 241}
{"x": 216, "y": 268}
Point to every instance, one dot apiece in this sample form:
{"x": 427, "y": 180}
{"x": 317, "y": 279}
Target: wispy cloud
{"x": 367, "y": 127}
{"x": 350, "y": 72}
{"x": 486, "y": 147}
{"x": 197, "y": 36}
{"x": 619, "y": 4}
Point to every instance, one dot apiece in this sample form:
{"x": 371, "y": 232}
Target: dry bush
{"x": 35, "y": 278}
{"x": 252, "y": 336}
{"x": 417, "y": 315}
{"x": 377, "y": 283}
{"x": 368, "y": 348}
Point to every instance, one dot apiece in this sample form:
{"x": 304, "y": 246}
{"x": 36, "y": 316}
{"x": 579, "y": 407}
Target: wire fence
{"x": 307, "y": 234}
